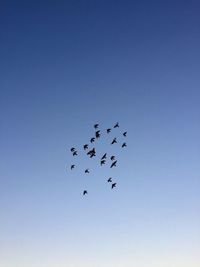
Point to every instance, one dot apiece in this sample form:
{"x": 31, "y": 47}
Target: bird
{"x": 108, "y": 130}
{"x": 124, "y": 134}
{"x": 109, "y": 180}
{"x": 92, "y": 153}
{"x": 72, "y": 167}
{"x": 85, "y": 192}
{"x": 103, "y": 162}
{"x": 116, "y": 125}
{"x": 113, "y": 164}
{"x": 97, "y": 134}
{"x": 114, "y": 141}
{"x": 92, "y": 140}
{"x": 72, "y": 149}
{"x": 75, "y": 153}
{"x": 113, "y": 185}
{"x": 104, "y": 156}
{"x": 96, "y": 126}
{"x": 85, "y": 146}
{"x": 112, "y": 157}
{"x": 87, "y": 171}
{"x": 124, "y": 145}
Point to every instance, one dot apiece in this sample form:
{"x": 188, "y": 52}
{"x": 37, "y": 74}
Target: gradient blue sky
{"x": 65, "y": 65}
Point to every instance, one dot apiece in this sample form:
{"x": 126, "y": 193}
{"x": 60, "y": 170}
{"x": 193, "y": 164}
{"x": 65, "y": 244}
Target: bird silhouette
{"x": 104, "y": 156}
{"x": 109, "y": 180}
{"x": 92, "y": 140}
{"x": 113, "y": 164}
{"x": 92, "y": 153}
{"x": 124, "y": 134}
{"x": 85, "y": 147}
{"x": 72, "y": 167}
{"x": 75, "y": 153}
{"x": 96, "y": 126}
{"x": 116, "y": 125}
{"x": 103, "y": 162}
{"x": 114, "y": 141}
{"x": 85, "y": 192}
{"x": 113, "y": 185}
{"x": 72, "y": 149}
{"x": 112, "y": 157}
{"x": 87, "y": 171}
{"x": 97, "y": 134}
{"x": 124, "y": 145}
{"x": 108, "y": 130}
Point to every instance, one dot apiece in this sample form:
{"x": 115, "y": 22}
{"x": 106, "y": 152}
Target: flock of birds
{"x": 92, "y": 153}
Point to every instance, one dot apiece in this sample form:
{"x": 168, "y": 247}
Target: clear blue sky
{"x": 65, "y": 65}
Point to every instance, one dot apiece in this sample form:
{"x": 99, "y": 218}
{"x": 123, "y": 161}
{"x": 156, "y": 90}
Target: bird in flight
{"x": 112, "y": 157}
{"x": 116, "y": 125}
{"x": 104, "y": 156}
{"x": 92, "y": 140}
{"x": 75, "y": 153}
{"x": 96, "y": 126}
{"x": 124, "y": 145}
{"x": 113, "y": 164}
{"x": 92, "y": 153}
{"x": 87, "y": 171}
{"x": 85, "y": 147}
{"x": 108, "y": 130}
{"x": 97, "y": 134}
{"x": 113, "y": 185}
{"x": 109, "y": 180}
{"x": 103, "y": 162}
{"x": 72, "y": 167}
{"x": 85, "y": 192}
{"x": 114, "y": 141}
{"x": 72, "y": 149}
{"x": 124, "y": 134}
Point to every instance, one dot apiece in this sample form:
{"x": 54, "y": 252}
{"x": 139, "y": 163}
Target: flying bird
{"x": 109, "y": 180}
{"x": 113, "y": 164}
{"x": 116, "y": 125}
{"x": 103, "y": 162}
{"x": 113, "y": 185}
{"x": 97, "y": 134}
{"x": 85, "y": 147}
{"x": 87, "y": 171}
{"x": 85, "y": 192}
{"x": 75, "y": 153}
{"x": 92, "y": 153}
{"x": 114, "y": 141}
{"x": 112, "y": 157}
{"x": 72, "y": 149}
{"x": 124, "y": 145}
{"x": 108, "y": 130}
{"x": 92, "y": 140}
{"x": 124, "y": 134}
{"x": 96, "y": 126}
{"x": 104, "y": 156}
{"x": 72, "y": 167}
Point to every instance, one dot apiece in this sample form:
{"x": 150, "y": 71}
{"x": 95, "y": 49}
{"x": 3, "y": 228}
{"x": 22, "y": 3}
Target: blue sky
{"x": 66, "y": 65}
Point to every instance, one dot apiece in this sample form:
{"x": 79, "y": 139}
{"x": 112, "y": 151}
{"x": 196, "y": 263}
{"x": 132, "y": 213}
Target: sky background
{"x": 65, "y": 65}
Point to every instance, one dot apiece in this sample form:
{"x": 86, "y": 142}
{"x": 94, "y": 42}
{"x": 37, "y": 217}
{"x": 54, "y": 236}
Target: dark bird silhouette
{"x": 87, "y": 171}
{"x": 96, "y": 126}
{"x": 92, "y": 140}
{"x": 104, "y": 156}
{"x": 124, "y": 145}
{"x": 116, "y": 125}
{"x": 92, "y": 153}
{"x": 114, "y": 141}
{"x": 75, "y": 153}
{"x": 112, "y": 157}
{"x": 108, "y": 130}
{"x": 109, "y": 180}
{"x": 72, "y": 167}
{"x": 85, "y": 146}
{"x": 72, "y": 149}
{"x": 103, "y": 162}
{"x": 113, "y": 164}
{"x": 85, "y": 192}
{"x": 113, "y": 185}
{"x": 97, "y": 134}
{"x": 124, "y": 134}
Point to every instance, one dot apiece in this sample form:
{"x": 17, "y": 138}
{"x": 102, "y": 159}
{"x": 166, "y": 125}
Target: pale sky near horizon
{"x": 66, "y": 65}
